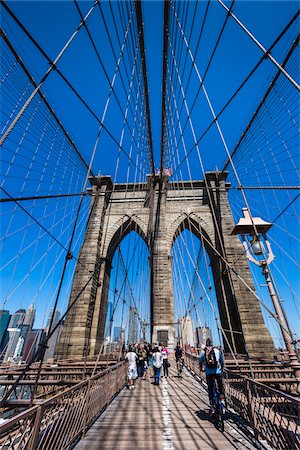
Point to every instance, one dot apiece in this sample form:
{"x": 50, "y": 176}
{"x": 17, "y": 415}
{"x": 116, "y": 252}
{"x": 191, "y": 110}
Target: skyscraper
{"x": 17, "y": 319}
{"x": 29, "y": 346}
{"x": 25, "y": 328}
{"x": 54, "y": 338}
{"x": 40, "y": 336}
{"x": 29, "y": 316}
{"x": 133, "y": 325}
{"x": 4, "y": 321}
{"x": 14, "y": 334}
{"x": 20, "y": 324}
{"x": 56, "y": 318}
{"x": 14, "y": 329}
{"x": 117, "y": 333}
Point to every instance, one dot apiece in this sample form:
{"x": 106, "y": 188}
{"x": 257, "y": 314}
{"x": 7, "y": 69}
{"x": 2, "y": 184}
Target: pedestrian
{"x": 157, "y": 361}
{"x": 142, "y": 358}
{"x": 165, "y": 355}
{"x": 131, "y": 358}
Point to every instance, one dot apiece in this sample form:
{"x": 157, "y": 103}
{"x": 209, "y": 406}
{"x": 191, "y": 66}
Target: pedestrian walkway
{"x": 173, "y": 416}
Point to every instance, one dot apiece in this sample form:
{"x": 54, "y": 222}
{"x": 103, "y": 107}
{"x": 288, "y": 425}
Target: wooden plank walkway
{"x": 172, "y": 416}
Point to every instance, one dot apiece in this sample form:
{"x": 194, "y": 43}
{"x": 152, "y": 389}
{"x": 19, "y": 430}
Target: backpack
{"x": 210, "y": 358}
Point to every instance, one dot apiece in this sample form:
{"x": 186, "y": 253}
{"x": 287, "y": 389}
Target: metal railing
{"x": 58, "y": 422}
{"x": 273, "y": 415}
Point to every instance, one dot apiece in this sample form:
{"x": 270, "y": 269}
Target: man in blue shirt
{"x": 214, "y": 362}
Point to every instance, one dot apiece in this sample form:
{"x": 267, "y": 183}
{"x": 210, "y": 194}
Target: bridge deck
{"x": 173, "y": 416}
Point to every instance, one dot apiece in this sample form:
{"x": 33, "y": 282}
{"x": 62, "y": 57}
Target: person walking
{"x": 178, "y": 354}
{"x": 131, "y": 358}
{"x": 165, "y": 355}
{"x": 157, "y": 362}
{"x": 142, "y": 357}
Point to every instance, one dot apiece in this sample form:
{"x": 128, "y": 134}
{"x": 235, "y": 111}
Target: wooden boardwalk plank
{"x": 172, "y": 416}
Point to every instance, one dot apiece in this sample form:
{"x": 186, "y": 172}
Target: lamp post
{"x": 255, "y": 242}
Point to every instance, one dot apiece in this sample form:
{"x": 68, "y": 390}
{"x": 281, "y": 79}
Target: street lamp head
{"x": 246, "y": 225}
{"x": 253, "y": 232}
{"x": 257, "y": 247}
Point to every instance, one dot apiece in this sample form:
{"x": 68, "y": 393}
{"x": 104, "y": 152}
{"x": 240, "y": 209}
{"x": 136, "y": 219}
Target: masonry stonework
{"x": 159, "y": 211}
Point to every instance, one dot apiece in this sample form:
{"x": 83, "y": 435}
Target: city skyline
{"x": 19, "y": 340}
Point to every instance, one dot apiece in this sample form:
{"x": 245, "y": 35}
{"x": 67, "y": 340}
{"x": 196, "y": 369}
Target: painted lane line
{"x": 166, "y": 416}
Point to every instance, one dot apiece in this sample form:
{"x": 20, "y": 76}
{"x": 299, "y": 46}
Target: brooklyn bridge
{"x": 149, "y": 205}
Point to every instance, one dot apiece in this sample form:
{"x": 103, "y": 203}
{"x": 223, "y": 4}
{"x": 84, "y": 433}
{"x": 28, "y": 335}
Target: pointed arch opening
{"x": 126, "y": 300}
{"x": 204, "y": 304}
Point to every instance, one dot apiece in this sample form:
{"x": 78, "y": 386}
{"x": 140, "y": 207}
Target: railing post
{"x": 86, "y": 406}
{"x": 251, "y": 412}
{"x": 36, "y": 428}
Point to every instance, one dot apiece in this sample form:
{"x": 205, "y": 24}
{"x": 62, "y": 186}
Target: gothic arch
{"x": 197, "y": 226}
{"x": 225, "y": 297}
{"x": 119, "y": 230}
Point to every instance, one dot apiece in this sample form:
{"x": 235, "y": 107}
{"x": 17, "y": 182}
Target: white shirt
{"x": 164, "y": 353}
{"x": 157, "y": 360}
{"x": 131, "y": 357}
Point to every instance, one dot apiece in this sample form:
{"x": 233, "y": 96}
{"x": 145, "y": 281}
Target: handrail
{"x": 23, "y": 415}
{"x": 273, "y": 414}
{"x": 60, "y": 420}
{"x": 257, "y": 382}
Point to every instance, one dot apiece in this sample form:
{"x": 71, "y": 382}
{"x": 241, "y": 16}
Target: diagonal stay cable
{"x": 53, "y": 66}
{"x": 102, "y": 64}
{"x": 33, "y": 218}
{"x": 246, "y": 79}
{"x": 206, "y": 181}
{"x": 31, "y": 79}
{"x": 232, "y": 269}
{"x": 285, "y": 209}
{"x": 222, "y": 137}
{"x": 266, "y": 53}
{"x": 92, "y": 158}
{"x": 195, "y": 54}
{"x": 48, "y": 71}
{"x": 262, "y": 102}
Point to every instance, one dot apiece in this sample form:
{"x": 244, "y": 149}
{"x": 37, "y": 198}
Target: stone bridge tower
{"x": 159, "y": 210}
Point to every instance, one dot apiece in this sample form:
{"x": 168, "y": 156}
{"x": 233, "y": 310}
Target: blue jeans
{"x": 156, "y": 375}
{"x": 140, "y": 368}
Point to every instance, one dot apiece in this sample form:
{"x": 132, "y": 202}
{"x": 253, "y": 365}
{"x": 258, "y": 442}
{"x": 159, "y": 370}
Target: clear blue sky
{"x": 51, "y": 24}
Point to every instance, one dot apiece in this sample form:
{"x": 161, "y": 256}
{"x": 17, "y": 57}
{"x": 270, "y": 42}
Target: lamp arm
{"x": 271, "y": 255}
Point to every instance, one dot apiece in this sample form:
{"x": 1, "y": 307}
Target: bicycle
{"x": 219, "y": 408}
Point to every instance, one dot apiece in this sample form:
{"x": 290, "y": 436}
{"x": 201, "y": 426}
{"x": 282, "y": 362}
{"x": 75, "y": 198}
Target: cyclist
{"x": 178, "y": 351}
{"x": 214, "y": 363}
